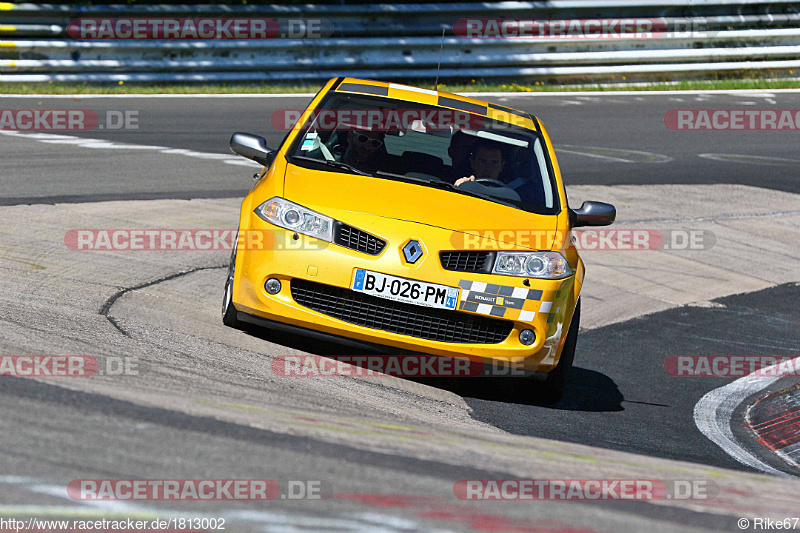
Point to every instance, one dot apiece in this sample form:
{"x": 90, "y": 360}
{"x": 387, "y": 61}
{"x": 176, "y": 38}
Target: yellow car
{"x": 422, "y": 220}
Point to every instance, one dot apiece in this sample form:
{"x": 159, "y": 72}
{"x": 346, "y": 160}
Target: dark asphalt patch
{"x": 621, "y": 397}
{"x": 12, "y": 388}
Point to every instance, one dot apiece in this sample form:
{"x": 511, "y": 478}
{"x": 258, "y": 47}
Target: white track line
{"x": 713, "y": 413}
{"x": 101, "y": 144}
{"x": 753, "y": 159}
{"x": 576, "y": 150}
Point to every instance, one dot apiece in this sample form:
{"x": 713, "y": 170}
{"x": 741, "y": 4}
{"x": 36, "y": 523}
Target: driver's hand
{"x": 464, "y": 180}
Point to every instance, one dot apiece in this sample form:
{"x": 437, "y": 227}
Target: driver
{"x": 486, "y": 160}
{"x": 459, "y": 151}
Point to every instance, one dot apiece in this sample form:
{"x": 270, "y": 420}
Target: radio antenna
{"x": 439, "y": 65}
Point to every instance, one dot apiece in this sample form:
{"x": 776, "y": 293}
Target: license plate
{"x": 405, "y": 290}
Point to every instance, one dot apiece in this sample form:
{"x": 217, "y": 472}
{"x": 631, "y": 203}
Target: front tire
{"x": 550, "y": 391}
{"x": 228, "y": 309}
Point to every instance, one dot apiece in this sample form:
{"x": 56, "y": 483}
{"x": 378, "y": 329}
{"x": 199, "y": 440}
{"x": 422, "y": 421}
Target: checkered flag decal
{"x": 491, "y": 299}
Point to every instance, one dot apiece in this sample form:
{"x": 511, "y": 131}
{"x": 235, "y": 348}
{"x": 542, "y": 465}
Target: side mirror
{"x": 252, "y": 147}
{"x": 593, "y": 214}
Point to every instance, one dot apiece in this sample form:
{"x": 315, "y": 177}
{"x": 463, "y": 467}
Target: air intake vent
{"x": 398, "y": 317}
{"x": 472, "y": 261}
{"x": 355, "y": 239}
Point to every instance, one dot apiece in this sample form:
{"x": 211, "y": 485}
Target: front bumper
{"x": 545, "y": 306}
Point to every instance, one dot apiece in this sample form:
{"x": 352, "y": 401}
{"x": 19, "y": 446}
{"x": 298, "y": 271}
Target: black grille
{"x": 355, "y": 239}
{"x": 473, "y": 261}
{"x": 398, "y": 317}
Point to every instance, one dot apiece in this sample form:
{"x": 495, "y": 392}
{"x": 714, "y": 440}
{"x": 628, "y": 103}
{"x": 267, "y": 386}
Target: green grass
{"x": 474, "y": 86}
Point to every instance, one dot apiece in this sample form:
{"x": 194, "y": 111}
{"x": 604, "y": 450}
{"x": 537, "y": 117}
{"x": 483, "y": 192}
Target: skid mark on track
{"x": 107, "y": 306}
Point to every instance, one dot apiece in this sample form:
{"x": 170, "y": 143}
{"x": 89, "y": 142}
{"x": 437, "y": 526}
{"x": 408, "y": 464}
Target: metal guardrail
{"x": 701, "y": 38}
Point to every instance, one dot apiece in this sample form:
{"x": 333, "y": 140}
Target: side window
{"x": 544, "y": 176}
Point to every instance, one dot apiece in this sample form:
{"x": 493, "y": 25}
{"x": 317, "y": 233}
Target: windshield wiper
{"x": 425, "y": 181}
{"x": 335, "y": 164}
{"x": 444, "y": 185}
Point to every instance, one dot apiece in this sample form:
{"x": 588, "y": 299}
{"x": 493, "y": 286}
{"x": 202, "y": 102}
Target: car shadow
{"x": 590, "y": 391}
{"x": 586, "y": 390}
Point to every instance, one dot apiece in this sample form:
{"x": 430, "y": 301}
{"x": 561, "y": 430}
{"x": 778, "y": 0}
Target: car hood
{"x": 343, "y": 195}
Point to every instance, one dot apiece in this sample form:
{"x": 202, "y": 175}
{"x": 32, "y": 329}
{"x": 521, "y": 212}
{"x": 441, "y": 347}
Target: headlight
{"x": 546, "y": 265}
{"x": 297, "y": 218}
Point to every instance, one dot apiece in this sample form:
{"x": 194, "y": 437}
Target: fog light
{"x": 273, "y": 285}
{"x": 527, "y": 337}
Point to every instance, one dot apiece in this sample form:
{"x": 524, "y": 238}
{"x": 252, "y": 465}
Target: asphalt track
{"x": 610, "y": 129}
{"x": 619, "y": 397}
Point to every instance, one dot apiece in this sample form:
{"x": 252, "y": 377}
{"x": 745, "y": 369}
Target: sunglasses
{"x": 375, "y": 143}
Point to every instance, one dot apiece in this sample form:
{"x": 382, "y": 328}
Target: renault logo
{"x": 412, "y": 251}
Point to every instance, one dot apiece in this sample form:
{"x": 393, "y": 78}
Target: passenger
{"x": 363, "y": 149}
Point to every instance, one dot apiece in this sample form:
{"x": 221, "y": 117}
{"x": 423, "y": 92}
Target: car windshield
{"x": 431, "y": 146}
